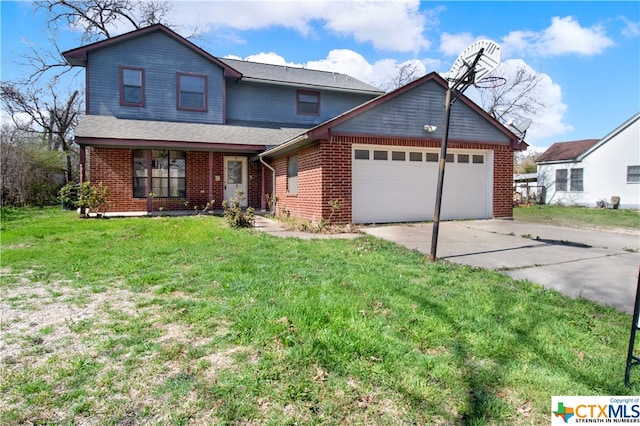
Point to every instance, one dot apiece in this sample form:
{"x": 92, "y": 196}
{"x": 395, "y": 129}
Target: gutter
{"x": 273, "y": 179}
{"x": 284, "y": 146}
{"x": 311, "y": 86}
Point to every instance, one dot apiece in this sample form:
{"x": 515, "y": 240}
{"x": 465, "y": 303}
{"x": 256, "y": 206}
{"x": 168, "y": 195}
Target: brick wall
{"x": 307, "y": 202}
{"x": 113, "y": 167}
{"x": 324, "y": 174}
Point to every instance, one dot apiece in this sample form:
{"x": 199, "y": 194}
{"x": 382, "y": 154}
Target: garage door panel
{"x": 403, "y": 191}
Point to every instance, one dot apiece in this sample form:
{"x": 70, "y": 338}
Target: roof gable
{"x": 323, "y": 130}
{"x": 431, "y": 77}
{"x": 566, "y": 151}
{"x": 78, "y": 56}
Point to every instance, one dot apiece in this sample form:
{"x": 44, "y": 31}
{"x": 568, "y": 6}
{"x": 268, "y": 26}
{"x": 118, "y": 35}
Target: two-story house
{"x": 169, "y": 125}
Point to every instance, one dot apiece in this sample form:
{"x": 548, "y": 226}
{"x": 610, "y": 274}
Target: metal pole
{"x": 443, "y": 161}
{"x": 631, "y": 358}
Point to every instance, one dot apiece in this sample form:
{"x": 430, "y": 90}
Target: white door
{"x": 235, "y": 178}
{"x": 398, "y": 184}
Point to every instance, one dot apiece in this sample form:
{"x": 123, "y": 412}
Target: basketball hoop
{"x": 490, "y": 82}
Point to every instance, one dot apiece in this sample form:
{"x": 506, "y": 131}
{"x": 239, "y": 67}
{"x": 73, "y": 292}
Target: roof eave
{"x": 311, "y": 86}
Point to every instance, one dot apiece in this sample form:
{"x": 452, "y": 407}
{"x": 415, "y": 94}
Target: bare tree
{"x": 98, "y": 18}
{"x": 43, "y": 111}
{"x": 30, "y": 170}
{"x": 517, "y": 99}
{"x": 405, "y": 74}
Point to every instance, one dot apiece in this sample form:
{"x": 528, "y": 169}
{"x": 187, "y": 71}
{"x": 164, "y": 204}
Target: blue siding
{"x": 161, "y": 57}
{"x": 406, "y": 115}
{"x": 252, "y": 101}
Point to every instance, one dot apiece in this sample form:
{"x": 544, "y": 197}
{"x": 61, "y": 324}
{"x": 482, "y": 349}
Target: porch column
{"x": 210, "y": 179}
{"x": 263, "y": 197}
{"x": 83, "y": 160}
{"x": 149, "y": 180}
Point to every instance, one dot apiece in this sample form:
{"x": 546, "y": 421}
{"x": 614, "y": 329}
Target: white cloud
{"x": 454, "y": 44}
{"x": 564, "y": 36}
{"x": 548, "y": 122}
{"x": 631, "y": 29}
{"x": 395, "y": 26}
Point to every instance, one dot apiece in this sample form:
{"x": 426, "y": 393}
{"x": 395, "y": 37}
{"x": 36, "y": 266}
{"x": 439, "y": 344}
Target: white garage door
{"x": 398, "y": 184}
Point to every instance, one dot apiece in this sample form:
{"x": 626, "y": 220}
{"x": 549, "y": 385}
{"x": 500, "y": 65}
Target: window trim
{"x": 148, "y": 156}
{"x": 565, "y": 181}
{"x": 637, "y": 181}
{"x": 307, "y": 92}
{"x": 121, "y": 69}
{"x": 579, "y": 183}
{"x": 206, "y": 91}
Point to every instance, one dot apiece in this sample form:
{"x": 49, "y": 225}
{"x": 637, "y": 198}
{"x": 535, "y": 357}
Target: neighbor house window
{"x": 561, "y": 180}
{"x": 292, "y": 175}
{"x": 307, "y": 103}
{"x": 168, "y": 171}
{"x": 633, "y": 174}
{"x": 131, "y": 86}
{"x": 576, "y": 180}
{"x": 192, "y": 92}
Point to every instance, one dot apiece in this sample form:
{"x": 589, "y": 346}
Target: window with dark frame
{"x": 191, "y": 92}
{"x": 380, "y": 155}
{"x": 398, "y": 156}
{"x": 463, "y": 158}
{"x": 140, "y": 174}
{"x": 292, "y": 175}
{"x": 633, "y": 174}
{"x": 477, "y": 159}
{"x": 432, "y": 157}
{"x": 576, "y": 180}
{"x": 307, "y": 102}
{"x": 131, "y": 86}
{"x": 361, "y": 154}
{"x": 415, "y": 156}
{"x": 168, "y": 173}
{"x": 450, "y": 158}
{"x": 561, "y": 179}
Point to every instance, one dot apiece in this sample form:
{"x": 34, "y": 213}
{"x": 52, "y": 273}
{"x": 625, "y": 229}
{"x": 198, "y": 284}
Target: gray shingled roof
{"x": 109, "y": 127}
{"x": 299, "y": 76}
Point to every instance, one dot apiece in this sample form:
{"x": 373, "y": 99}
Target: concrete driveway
{"x": 597, "y": 265}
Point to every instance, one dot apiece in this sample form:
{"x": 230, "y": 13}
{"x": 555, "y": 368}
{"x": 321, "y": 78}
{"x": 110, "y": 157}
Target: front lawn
{"x": 186, "y": 321}
{"x": 578, "y": 217}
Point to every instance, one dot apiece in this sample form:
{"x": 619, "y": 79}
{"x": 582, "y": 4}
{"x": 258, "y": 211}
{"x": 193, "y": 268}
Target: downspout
{"x": 273, "y": 180}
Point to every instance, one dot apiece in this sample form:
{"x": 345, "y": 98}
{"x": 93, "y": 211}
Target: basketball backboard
{"x": 488, "y": 62}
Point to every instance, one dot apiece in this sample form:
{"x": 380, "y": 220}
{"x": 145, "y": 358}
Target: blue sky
{"x": 587, "y": 53}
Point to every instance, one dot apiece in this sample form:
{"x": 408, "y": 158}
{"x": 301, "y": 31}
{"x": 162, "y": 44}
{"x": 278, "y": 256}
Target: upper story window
{"x": 131, "y": 86}
{"x": 307, "y": 102}
{"x": 192, "y": 91}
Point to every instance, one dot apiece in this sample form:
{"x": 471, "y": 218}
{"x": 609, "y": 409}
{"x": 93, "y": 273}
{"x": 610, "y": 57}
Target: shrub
{"x": 93, "y": 197}
{"x": 234, "y": 214}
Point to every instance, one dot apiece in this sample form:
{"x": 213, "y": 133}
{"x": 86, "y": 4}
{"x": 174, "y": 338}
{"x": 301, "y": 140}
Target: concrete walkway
{"x": 602, "y": 266}
{"x": 597, "y": 265}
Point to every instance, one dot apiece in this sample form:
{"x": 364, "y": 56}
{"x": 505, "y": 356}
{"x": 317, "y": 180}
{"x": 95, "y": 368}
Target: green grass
{"x": 578, "y": 216}
{"x": 186, "y": 321}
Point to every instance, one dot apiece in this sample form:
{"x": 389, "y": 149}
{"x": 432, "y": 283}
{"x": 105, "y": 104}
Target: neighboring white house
{"x": 588, "y": 171}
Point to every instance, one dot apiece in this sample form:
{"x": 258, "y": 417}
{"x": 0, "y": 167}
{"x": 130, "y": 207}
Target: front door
{"x": 235, "y": 178}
